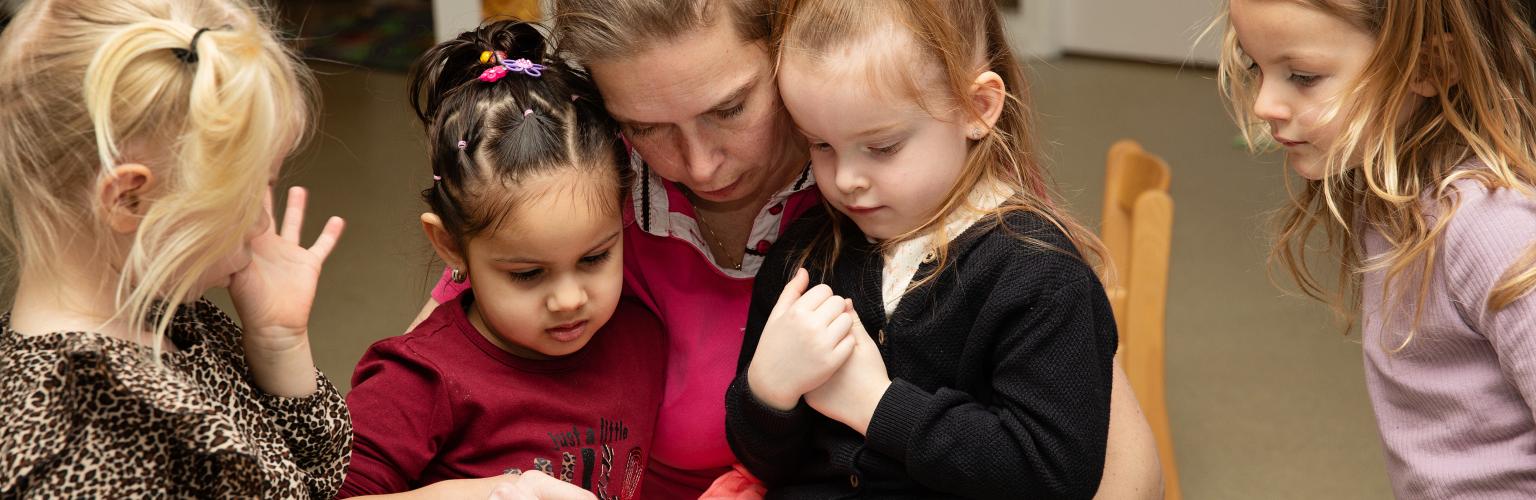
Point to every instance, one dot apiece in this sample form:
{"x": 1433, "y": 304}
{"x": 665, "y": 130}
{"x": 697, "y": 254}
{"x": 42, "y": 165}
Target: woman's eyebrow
{"x": 736, "y": 95}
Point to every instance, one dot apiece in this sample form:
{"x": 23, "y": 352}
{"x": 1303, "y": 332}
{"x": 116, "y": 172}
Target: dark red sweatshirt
{"x": 442, "y": 402}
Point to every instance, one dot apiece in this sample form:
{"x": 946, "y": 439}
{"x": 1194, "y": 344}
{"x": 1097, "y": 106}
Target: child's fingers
{"x": 827, "y": 312}
{"x": 857, "y": 322}
{"x": 854, "y": 311}
{"x": 543, "y": 487}
{"x": 840, "y": 326}
{"x": 328, "y": 237}
{"x": 859, "y": 331}
{"x": 507, "y": 491}
{"x": 843, "y": 350}
{"x": 793, "y": 290}
{"x": 813, "y": 298}
{"x": 293, "y": 216}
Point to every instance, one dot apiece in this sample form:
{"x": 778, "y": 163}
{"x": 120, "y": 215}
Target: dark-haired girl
{"x": 539, "y": 370}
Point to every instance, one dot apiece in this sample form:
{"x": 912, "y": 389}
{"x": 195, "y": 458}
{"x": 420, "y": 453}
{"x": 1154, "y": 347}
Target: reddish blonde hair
{"x": 962, "y": 38}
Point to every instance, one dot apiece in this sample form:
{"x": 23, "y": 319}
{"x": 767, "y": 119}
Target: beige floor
{"x": 1266, "y": 397}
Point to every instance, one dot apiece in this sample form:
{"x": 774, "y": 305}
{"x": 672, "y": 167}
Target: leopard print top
{"x": 86, "y": 415}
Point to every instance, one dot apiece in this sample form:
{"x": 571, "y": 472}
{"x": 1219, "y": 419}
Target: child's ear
{"x": 442, "y": 242}
{"x": 988, "y": 96}
{"x": 121, "y": 199}
{"x": 1437, "y": 67}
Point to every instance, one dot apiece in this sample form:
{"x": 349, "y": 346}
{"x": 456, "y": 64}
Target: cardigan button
{"x": 853, "y": 479}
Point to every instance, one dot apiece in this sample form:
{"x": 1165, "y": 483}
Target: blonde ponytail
{"x": 211, "y": 128}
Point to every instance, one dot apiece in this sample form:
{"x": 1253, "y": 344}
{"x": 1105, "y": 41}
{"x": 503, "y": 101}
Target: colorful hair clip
{"x": 528, "y": 111}
{"x": 493, "y": 73}
{"x": 463, "y": 144}
{"x": 492, "y": 57}
{"x": 500, "y": 71}
{"x": 437, "y": 177}
{"x": 523, "y": 66}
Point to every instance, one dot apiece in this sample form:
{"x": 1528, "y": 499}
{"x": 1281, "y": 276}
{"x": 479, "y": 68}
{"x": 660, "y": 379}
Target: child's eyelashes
{"x": 822, "y": 147}
{"x": 526, "y": 275}
{"x": 1304, "y": 79}
{"x": 1299, "y": 78}
{"x": 597, "y": 259}
{"x": 588, "y": 261}
{"x": 886, "y": 150}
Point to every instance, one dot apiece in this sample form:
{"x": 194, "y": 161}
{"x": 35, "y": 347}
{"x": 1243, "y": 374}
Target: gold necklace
{"x": 717, "y": 240}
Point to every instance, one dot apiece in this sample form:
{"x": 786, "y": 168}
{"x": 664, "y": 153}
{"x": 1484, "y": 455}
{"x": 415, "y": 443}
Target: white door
{"x": 1154, "y": 30}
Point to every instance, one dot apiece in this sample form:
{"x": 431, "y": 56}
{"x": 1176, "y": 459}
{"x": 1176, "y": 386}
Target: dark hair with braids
{"x": 518, "y": 126}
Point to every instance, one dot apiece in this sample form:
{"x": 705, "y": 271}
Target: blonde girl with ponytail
{"x": 139, "y": 143}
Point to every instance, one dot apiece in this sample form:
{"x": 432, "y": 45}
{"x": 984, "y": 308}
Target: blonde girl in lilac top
{"x": 1412, "y": 124}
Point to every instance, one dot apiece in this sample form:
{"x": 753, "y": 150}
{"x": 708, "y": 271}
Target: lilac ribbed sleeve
{"x": 1454, "y": 406}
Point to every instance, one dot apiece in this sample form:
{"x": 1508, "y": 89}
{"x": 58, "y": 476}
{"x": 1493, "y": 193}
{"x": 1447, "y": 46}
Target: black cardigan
{"x": 1000, "y": 374}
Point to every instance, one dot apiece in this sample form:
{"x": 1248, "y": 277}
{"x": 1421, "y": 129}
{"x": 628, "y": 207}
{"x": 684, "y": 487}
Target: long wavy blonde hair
{"x": 951, "y": 37}
{"x": 91, "y": 84}
{"x": 1480, "y": 57}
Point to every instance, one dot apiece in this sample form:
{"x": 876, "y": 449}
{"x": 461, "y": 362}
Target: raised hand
{"x": 273, "y": 296}
{"x": 851, "y": 394}
{"x": 804, "y": 341}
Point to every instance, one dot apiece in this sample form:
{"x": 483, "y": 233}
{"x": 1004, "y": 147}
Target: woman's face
{"x": 704, "y": 111}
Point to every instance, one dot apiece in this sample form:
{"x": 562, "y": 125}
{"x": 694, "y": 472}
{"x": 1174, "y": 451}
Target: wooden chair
{"x": 1137, "y": 230}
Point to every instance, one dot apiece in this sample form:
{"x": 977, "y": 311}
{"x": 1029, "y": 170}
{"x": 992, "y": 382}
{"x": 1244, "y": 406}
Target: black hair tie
{"x": 189, "y": 54}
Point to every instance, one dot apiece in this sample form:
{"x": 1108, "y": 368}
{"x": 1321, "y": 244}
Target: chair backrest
{"x": 1130, "y": 172}
{"x": 1137, "y": 232}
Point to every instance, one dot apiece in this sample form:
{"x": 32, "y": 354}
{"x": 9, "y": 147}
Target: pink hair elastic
{"x": 493, "y": 73}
